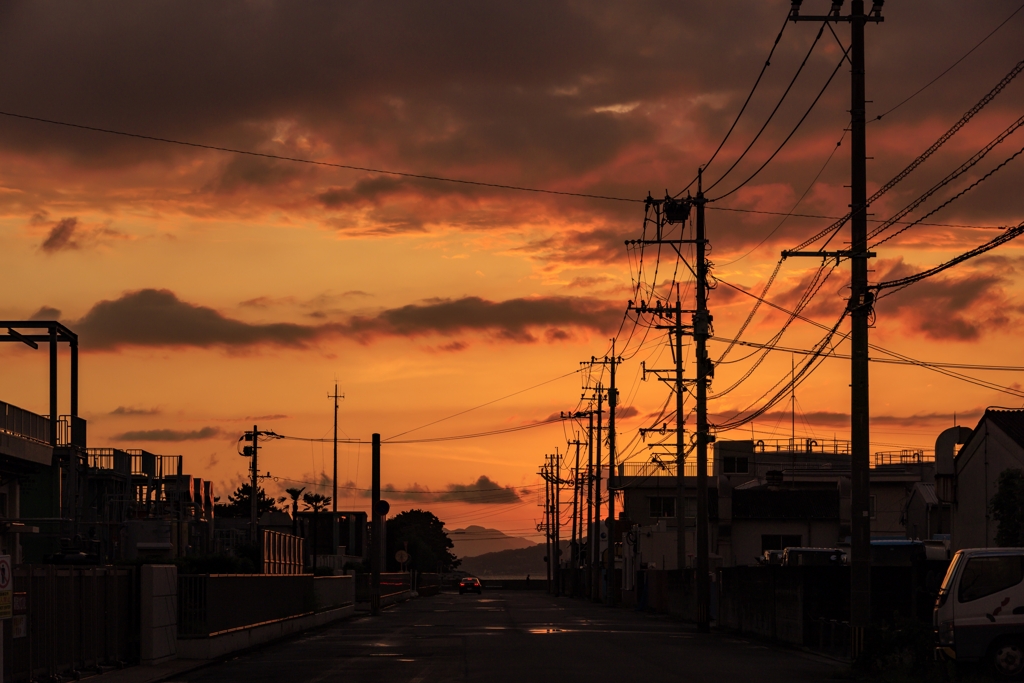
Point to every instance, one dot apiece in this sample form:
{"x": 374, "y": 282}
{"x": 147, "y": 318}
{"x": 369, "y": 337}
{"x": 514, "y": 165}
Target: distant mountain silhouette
{"x": 511, "y": 563}
{"x": 477, "y": 540}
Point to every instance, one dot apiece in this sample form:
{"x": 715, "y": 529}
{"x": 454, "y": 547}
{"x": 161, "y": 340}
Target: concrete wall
{"x": 158, "y": 603}
{"x": 978, "y": 465}
{"x": 746, "y": 535}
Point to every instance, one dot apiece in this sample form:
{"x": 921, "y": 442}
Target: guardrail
{"x": 390, "y": 584}
{"x": 23, "y": 423}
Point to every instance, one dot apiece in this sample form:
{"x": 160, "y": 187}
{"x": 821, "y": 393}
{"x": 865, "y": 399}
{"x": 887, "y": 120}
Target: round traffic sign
{"x": 401, "y": 557}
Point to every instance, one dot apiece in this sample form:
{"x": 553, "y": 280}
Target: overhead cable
{"x": 772, "y": 115}
{"x": 791, "y": 133}
{"x": 921, "y": 158}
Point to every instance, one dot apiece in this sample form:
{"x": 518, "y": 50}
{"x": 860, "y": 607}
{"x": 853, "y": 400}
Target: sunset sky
{"x": 213, "y": 290}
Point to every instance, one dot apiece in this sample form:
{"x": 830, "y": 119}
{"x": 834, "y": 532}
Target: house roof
{"x": 927, "y": 493}
{"x": 1011, "y": 422}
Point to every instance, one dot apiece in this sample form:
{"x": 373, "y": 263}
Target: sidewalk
{"x": 151, "y": 674}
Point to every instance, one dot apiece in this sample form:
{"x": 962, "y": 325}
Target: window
{"x": 987, "y": 575}
{"x": 663, "y": 506}
{"x": 735, "y": 465}
{"x": 780, "y": 541}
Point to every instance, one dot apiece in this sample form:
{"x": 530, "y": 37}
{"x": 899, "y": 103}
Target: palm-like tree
{"x": 294, "y": 494}
{"x": 316, "y": 502}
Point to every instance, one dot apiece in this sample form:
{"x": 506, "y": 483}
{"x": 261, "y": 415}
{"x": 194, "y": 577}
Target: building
{"x": 968, "y": 482}
{"x": 769, "y": 495}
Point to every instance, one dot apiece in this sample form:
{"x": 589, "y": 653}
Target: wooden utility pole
{"x": 705, "y": 371}
{"x": 596, "y": 566}
{"x": 335, "y": 396}
{"x": 254, "y": 486}
{"x": 859, "y": 308}
{"x": 375, "y": 525}
{"x": 613, "y": 400}
{"x": 574, "y": 544}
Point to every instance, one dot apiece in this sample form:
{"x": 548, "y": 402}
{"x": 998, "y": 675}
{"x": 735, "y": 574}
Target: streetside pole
{"x": 860, "y": 307}
{"x": 547, "y": 518}
{"x": 556, "y": 482}
{"x": 613, "y": 400}
{"x": 254, "y": 487}
{"x": 680, "y": 446}
{"x": 54, "y": 418}
{"x": 574, "y": 553}
{"x": 701, "y": 331}
{"x": 334, "y": 501}
{"x": 375, "y": 528}
{"x": 596, "y": 588}
{"x": 591, "y": 540}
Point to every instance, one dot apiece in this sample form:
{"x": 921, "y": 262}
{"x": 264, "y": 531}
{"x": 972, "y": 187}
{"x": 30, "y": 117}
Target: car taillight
{"x": 946, "y": 633}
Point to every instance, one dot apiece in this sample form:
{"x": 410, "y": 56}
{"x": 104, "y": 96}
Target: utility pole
{"x": 547, "y": 517}
{"x": 375, "y": 525}
{"x": 674, "y": 211}
{"x": 705, "y": 371}
{"x": 613, "y": 400}
{"x": 574, "y": 546}
{"x": 859, "y": 308}
{"x": 335, "y": 396}
{"x": 612, "y": 361}
{"x": 591, "y": 541}
{"x": 254, "y": 487}
{"x": 596, "y": 566}
{"x": 555, "y": 481}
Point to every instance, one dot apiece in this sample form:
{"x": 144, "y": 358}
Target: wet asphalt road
{"x": 514, "y": 636}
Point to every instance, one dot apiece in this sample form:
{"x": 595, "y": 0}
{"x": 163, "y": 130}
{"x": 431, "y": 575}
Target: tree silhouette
{"x": 428, "y": 542}
{"x": 294, "y": 494}
{"x": 316, "y": 502}
{"x": 238, "y": 502}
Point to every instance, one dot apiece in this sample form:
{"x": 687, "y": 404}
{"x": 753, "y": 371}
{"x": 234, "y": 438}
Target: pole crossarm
{"x": 844, "y": 254}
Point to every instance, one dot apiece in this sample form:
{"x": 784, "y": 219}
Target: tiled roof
{"x": 1010, "y": 421}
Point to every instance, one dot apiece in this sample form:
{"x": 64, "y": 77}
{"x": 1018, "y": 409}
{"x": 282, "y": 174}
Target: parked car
{"x": 979, "y": 612}
{"x": 470, "y": 583}
{"x": 812, "y": 557}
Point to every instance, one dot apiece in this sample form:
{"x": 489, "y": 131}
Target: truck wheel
{"x": 1007, "y": 658}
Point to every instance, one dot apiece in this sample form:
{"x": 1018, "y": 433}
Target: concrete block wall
{"x": 159, "y": 613}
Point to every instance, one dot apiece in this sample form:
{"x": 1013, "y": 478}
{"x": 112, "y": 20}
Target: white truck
{"x": 979, "y": 612}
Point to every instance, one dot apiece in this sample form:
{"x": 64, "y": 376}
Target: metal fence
{"x": 281, "y": 553}
{"x": 70, "y": 621}
{"x": 15, "y": 420}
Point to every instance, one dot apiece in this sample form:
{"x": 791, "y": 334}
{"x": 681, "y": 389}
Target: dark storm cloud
{"x": 158, "y": 318}
{"x": 170, "y": 435}
{"x": 46, "y": 313}
{"x": 61, "y": 237}
{"x": 132, "y": 411}
{"x": 483, "y": 491}
{"x": 152, "y": 317}
{"x": 510, "y": 319}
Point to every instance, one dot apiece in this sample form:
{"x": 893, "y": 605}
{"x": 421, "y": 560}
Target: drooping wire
{"x": 772, "y": 115}
{"x": 948, "y": 69}
{"x": 791, "y": 133}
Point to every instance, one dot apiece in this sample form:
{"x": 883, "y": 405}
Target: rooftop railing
{"x": 21, "y": 422}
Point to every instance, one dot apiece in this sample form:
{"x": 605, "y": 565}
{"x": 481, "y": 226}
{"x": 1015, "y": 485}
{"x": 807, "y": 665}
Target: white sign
{"x": 6, "y": 575}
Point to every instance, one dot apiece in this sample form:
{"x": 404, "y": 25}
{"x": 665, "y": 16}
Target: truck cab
{"x": 979, "y": 612}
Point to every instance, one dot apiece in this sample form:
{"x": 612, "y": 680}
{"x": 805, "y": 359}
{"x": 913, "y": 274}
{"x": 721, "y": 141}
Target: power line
{"x": 767, "y": 63}
{"x": 482, "y": 405}
{"x": 299, "y": 160}
{"x": 921, "y": 158}
{"x": 889, "y": 361}
{"x": 791, "y": 133}
{"x": 772, "y": 115}
{"x": 952, "y": 199}
{"x": 949, "y": 68}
